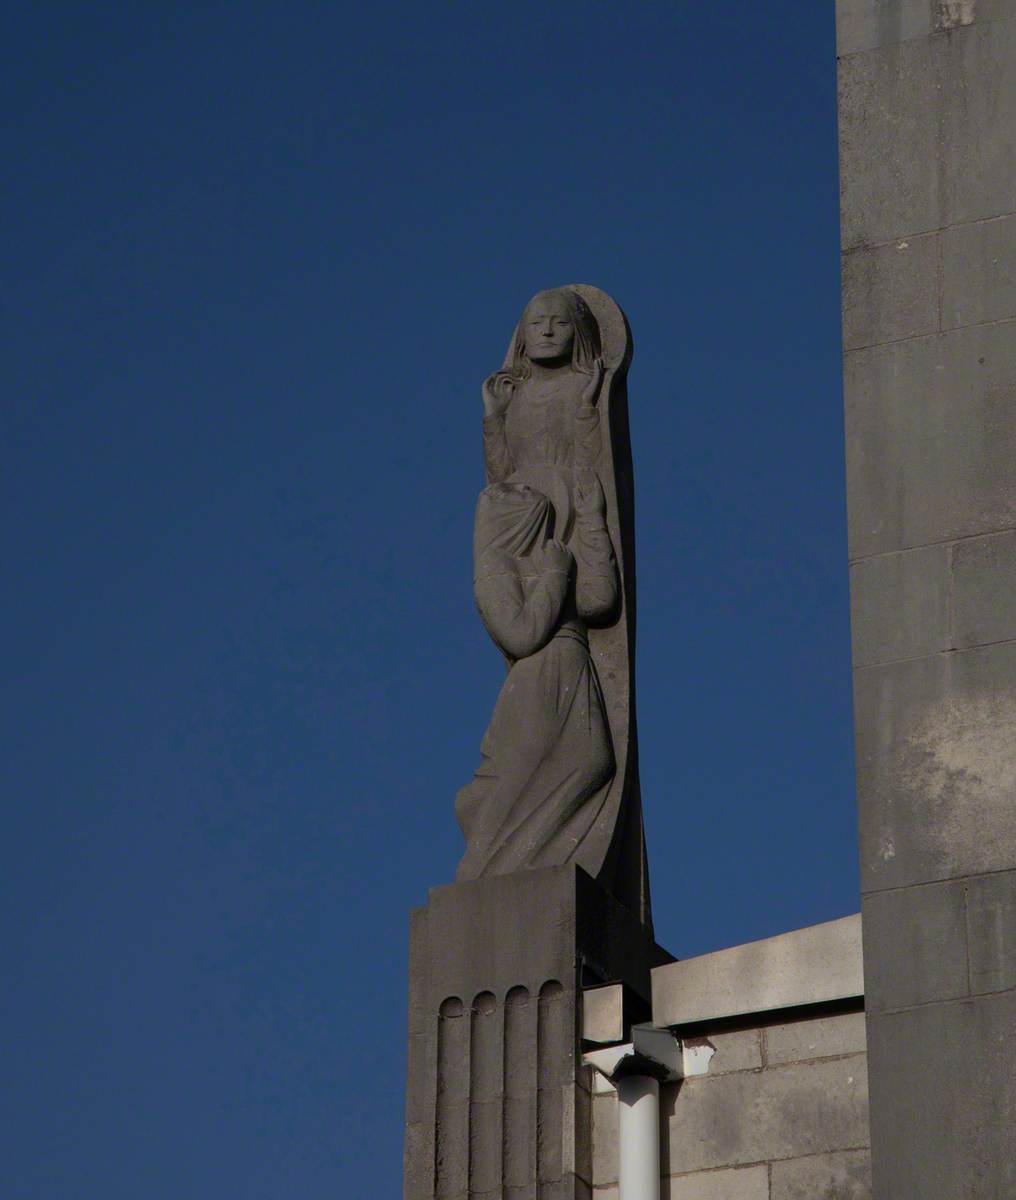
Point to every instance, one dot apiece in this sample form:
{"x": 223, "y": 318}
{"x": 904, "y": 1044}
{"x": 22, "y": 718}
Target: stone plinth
{"x": 497, "y": 1099}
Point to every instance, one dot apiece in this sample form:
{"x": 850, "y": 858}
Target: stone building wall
{"x": 927, "y": 114}
{"x": 781, "y": 1115}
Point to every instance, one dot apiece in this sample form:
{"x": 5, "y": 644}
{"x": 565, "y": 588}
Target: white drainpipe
{"x": 639, "y": 1137}
{"x": 636, "y": 1069}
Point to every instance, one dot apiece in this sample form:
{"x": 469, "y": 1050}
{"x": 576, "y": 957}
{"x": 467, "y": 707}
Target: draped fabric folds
{"x": 547, "y": 757}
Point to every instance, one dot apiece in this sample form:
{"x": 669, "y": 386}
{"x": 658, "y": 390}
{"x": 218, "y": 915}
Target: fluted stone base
{"x": 497, "y": 1100}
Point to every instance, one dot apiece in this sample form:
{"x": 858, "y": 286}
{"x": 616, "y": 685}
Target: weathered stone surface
{"x": 920, "y": 935}
{"x": 744, "y": 1183}
{"x": 927, "y": 132}
{"x": 806, "y": 966}
{"x": 975, "y": 97}
{"x": 991, "y": 931}
{"x": 553, "y": 573}
{"x": 931, "y": 439}
{"x": 418, "y": 1161}
{"x": 845, "y": 1175}
{"x": 807, "y": 1108}
{"x": 890, "y": 292}
{"x": 739, "y": 1050}
{"x": 936, "y": 772}
{"x": 888, "y": 138}
{"x": 979, "y": 272}
{"x": 928, "y": 141}
{"x": 943, "y": 1103}
{"x": 899, "y": 605}
{"x": 866, "y": 24}
{"x": 495, "y": 1081}
{"x": 603, "y": 1014}
{"x": 818, "y": 1037}
{"x": 605, "y": 1154}
{"x": 984, "y": 589}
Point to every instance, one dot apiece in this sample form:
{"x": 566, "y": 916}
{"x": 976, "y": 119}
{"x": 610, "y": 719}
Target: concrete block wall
{"x": 928, "y": 188}
{"x": 781, "y": 1115}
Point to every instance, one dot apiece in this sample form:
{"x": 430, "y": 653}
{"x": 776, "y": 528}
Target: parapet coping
{"x": 815, "y": 965}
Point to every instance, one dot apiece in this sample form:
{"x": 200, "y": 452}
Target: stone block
{"x": 604, "y": 1122}
{"x": 943, "y": 1100}
{"x": 740, "y": 1050}
{"x": 952, "y": 14}
{"x": 420, "y": 1068}
{"x": 984, "y": 589}
{"x": 805, "y": 966}
{"x": 888, "y": 126}
{"x": 756, "y": 1116}
{"x": 994, "y": 10}
{"x": 745, "y": 1183}
{"x": 936, "y": 771}
{"x": 991, "y": 931}
{"x": 916, "y": 942}
{"x": 603, "y": 1014}
{"x": 979, "y": 272}
{"x": 817, "y": 1037}
{"x": 842, "y": 1176}
{"x": 975, "y": 82}
{"x": 931, "y": 439}
{"x": 890, "y": 292}
{"x": 418, "y": 1158}
{"x": 866, "y": 24}
{"x": 927, "y": 133}
{"x": 899, "y": 605}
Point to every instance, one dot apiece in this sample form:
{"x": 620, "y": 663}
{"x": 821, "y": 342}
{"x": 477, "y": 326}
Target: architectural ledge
{"x": 815, "y": 965}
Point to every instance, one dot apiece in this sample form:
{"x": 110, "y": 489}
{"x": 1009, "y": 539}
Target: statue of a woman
{"x": 554, "y": 582}
{"x": 547, "y": 754}
{"x": 540, "y": 421}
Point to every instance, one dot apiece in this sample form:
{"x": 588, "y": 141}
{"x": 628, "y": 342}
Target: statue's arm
{"x": 587, "y": 437}
{"x": 587, "y": 422}
{"x": 496, "y": 455}
{"x": 520, "y": 614}
{"x": 596, "y": 580}
{"x": 497, "y": 395}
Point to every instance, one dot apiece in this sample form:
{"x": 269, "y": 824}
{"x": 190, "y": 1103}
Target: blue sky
{"x": 258, "y": 259}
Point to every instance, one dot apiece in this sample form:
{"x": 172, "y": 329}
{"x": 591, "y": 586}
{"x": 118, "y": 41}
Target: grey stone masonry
{"x": 781, "y": 1114}
{"x": 927, "y": 121}
{"x": 497, "y": 1099}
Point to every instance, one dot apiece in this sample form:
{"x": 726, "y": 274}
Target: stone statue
{"x": 554, "y": 583}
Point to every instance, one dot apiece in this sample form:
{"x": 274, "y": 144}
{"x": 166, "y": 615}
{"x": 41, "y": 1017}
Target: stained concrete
{"x": 927, "y": 928}
{"x": 872, "y": 23}
{"x": 815, "y": 1037}
{"x": 991, "y": 932}
{"x": 931, "y": 439}
{"x": 890, "y": 292}
{"x": 979, "y": 272}
{"x": 926, "y": 132}
{"x": 842, "y": 1175}
{"x": 900, "y": 605}
{"x": 782, "y": 1112}
{"x": 927, "y": 113}
{"x": 983, "y": 589}
{"x": 942, "y": 1115}
{"x": 936, "y": 769}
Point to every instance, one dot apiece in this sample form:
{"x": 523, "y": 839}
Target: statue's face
{"x": 549, "y": 329}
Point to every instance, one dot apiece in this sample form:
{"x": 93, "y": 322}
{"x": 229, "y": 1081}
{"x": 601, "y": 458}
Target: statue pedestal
{"x": 497, "y": 1097}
